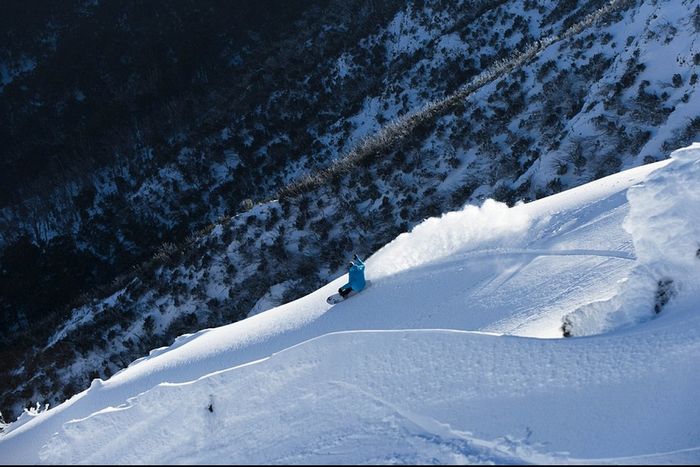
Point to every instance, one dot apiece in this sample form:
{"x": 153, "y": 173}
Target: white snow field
{"x": 453, "y": 355}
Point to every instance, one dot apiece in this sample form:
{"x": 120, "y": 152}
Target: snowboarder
{"x": 356, "y": 277}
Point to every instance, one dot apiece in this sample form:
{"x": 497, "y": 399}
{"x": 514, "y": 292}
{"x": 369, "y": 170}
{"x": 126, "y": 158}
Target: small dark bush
{"x": 566, "y": 327}
{"x": 677, "y": 80}
{"x": 664, "y": 292}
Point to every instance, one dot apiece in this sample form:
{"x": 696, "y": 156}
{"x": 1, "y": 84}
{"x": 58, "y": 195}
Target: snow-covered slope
{"x": 582, "y": 103}
{"x": 448, "y": 357}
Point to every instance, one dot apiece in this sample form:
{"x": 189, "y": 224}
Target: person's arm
{"x": 358, "y": 261}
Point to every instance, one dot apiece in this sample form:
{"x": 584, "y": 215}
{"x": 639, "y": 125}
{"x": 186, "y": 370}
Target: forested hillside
{"x": 166, "y": 169}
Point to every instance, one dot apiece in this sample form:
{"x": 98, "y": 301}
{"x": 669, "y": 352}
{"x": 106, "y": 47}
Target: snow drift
{"x": 664, "y": 222}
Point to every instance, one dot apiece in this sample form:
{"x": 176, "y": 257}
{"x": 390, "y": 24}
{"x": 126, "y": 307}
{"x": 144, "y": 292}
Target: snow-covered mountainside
{"x": 241, "y": 167}
{"x": 454, "y": 353}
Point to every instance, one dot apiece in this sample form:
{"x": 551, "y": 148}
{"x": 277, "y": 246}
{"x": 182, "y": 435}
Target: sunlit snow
{"x": 454, "y": 354}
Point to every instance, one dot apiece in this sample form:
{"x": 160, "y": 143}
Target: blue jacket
{"x": 357, "y": 275}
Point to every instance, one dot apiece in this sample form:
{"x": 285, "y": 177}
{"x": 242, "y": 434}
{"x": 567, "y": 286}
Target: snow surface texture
{"x": 450, "y": 358}
{"x": 664, "y": 221}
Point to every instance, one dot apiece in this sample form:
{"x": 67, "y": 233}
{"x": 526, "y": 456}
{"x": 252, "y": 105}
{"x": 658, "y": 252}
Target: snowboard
{"x": 337, "y": 298}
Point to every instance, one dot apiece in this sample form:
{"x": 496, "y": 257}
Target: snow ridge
{"x": 664, "y": 222}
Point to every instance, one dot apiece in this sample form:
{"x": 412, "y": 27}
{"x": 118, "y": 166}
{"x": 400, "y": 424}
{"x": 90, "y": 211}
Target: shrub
{"x": 665, "y": 290}
{"x": 148, "y": 325}
{"x": 677, "y": 80}
{"x": 562, "y": 167}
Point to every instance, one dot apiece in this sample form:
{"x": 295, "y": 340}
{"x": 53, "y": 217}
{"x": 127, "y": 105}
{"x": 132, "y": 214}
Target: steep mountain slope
{"x": 443, "y": 359}
{"x": 617, "y": 93}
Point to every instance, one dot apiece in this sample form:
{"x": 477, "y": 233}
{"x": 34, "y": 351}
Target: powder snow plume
{"x": 493, "y": 224}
